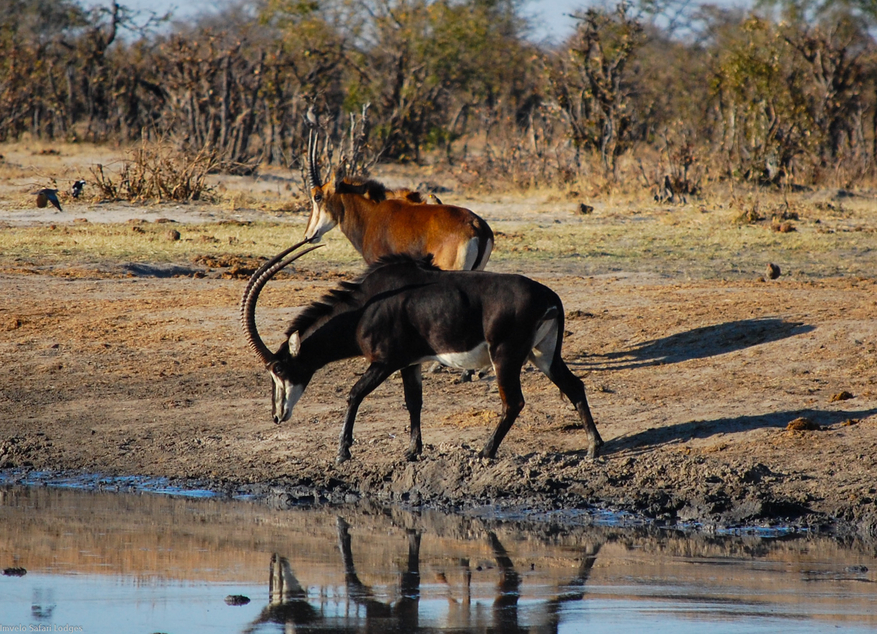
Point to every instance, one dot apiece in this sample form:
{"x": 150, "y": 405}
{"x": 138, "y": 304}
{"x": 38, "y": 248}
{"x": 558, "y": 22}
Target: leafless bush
{"x": 157, "y": 171}
{"x": 776, "y": 102}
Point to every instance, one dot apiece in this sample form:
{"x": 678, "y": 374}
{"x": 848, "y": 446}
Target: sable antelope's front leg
{"x": 412, "y": 381}
{"x": 376, "y": 374}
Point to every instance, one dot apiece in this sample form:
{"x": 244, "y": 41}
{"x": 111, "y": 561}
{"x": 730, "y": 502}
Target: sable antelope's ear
{"x": 294, "y": 344}
{"x": 340, "y": 173}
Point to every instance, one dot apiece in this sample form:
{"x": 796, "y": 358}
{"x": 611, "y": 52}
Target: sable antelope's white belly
{"x": 474, "y": 359}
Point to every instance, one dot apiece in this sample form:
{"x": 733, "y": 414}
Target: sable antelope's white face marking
{"x": 286, "y": 395}
{"x": 287, "y": 390}
{"x": 321, "y": 220}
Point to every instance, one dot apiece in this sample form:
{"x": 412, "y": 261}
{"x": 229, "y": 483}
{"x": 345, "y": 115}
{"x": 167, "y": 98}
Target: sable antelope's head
{"x": 323, "y": 217}
{"x": 289, "y": 374}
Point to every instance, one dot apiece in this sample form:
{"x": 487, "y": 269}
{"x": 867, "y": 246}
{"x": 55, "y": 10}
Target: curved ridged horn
{"x": 251, "y": 296}
{"x": 313, "y": 170}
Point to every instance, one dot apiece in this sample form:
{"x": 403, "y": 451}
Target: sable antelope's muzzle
{"x": 285, "y": 396}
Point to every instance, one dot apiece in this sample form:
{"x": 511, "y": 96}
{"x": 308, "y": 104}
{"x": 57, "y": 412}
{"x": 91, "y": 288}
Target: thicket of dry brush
{"x": 658, "y": 92}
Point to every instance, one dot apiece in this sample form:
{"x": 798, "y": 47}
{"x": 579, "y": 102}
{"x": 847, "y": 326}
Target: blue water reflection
{"x": 110, "y": 562}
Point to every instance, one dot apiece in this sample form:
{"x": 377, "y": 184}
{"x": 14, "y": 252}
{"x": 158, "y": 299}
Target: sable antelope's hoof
{"x": 343, "y": 456}
{"x": 466, "y": 377}
{"x": 594, "y": 449}
{"x": 415, "y": 449}
{"x": 489, "y": 455}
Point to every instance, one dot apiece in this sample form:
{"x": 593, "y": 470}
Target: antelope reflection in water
{"x": 504, "y": 613}
{"x": 288, "y": 601}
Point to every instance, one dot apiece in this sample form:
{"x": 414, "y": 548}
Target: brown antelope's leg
{"x": 376, "y": 374}
{"x": 412, "y": 381}
{"x": 574, "y": 389}
{"x": 508, "y": 379}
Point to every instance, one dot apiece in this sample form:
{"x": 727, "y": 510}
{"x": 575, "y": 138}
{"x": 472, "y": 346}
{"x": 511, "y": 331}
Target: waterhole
{"x": 85, "y": 561}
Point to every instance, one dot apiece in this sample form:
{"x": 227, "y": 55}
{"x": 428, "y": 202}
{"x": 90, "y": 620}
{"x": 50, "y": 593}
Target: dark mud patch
{"x": 561, "y": 489}
{"x": 160, "y": 270}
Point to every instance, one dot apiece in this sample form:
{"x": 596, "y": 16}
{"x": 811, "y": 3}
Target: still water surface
{"x": 111, "y": 562}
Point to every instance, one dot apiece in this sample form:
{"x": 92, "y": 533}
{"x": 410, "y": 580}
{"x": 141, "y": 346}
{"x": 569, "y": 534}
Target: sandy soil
{"x": 722, "y": 403}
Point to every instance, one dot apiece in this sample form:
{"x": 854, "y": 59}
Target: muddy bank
{"x": 722, "y": 404}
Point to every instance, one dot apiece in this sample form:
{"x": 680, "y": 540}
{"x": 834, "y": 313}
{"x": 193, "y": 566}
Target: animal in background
{"x": 380, "y": 222}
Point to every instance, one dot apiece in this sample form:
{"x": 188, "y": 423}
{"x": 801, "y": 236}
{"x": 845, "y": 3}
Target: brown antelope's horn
{"x": 312, "y": 167}
{"x": 308, "y": 169}
{"x": 251, "y": 296}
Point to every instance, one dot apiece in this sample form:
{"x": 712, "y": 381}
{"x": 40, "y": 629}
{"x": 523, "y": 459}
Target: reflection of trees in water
{"x": 288, "y": 602}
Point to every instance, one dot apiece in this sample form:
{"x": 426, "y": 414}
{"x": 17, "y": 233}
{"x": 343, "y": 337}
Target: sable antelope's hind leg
{"x": 376, "y": 374}
{"x": 545, "y": 355}
{"x": 412, "y": 382}
{"x": 508, "y": 379}
{"x": 574, "y": 389}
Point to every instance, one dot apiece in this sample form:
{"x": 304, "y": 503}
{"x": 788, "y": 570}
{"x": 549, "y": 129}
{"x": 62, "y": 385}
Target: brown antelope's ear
{"x": 340, "y": 173}
{"x": 294, "y": 344}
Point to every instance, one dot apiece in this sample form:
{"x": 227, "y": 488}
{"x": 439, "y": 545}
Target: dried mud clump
{"x": 237, "y": 267}
{"x": 803, "y": 424}
{"x": 841, "y": 396}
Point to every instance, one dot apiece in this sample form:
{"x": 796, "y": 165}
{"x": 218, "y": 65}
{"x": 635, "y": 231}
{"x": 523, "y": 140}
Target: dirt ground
{"x": 723, "y": 403}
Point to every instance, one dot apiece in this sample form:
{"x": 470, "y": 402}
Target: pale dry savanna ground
{"x": 121, "y": 351}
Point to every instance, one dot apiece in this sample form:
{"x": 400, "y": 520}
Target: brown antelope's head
{"x": 289, "y": 374}
{"x": 323, "y": 217}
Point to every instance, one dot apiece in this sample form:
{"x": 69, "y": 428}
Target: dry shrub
{"x": 158, "y": 171}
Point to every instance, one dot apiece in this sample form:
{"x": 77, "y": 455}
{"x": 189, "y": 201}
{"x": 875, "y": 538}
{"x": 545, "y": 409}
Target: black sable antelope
{"x": 403, "y": 312}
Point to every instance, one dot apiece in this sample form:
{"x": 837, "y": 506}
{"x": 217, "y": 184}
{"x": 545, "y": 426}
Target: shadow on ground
{"x": 699, "y": 343}
{"x": 701, "y": 429}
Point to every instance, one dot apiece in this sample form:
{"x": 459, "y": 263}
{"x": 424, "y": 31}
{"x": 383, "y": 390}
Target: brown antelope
{"x": 378, "y": 222}
{"x": 402, "y": 312}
